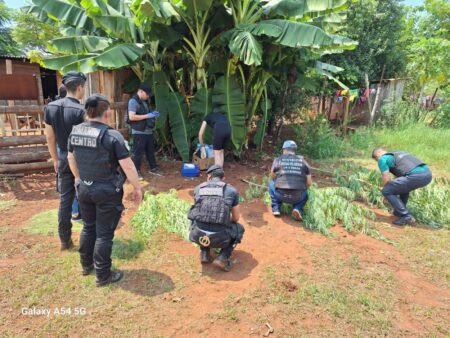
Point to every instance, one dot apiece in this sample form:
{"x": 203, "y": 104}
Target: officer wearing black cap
{"x": 142, "y": 124}
{"x": 97, "y": 153}
{"x": 60, "y": 116}
{"x": 214, "y": 218}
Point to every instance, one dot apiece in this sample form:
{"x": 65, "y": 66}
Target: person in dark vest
{"x": 142, "y": 124}
{"x": 221, "y": 134}
{"x": 100, "y": 162}
{"x": 410, "y": 174}
{"x": 215, "y": 217}
{"x": 60, "y": 116}
{"x": 291, "y": 178}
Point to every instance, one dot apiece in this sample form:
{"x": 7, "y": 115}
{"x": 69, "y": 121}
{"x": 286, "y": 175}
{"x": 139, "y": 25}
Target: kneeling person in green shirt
{"x": 411, "y": 174}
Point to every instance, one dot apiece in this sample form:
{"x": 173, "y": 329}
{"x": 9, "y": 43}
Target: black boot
{"x": 87, "y": 270}
{"x": 407, "y": 219}
{"x": 113, "y": 278}
{"x": 66, "y": 245}
{"x": 223, "y": 263}
{"x": 205, "y": 256}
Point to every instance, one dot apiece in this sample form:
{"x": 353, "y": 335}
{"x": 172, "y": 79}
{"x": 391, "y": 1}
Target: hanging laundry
{"x": 340, "y": 99}
{"x": 344, "y": 92}
{"x": 354, "y": 92}
{"x": 373, "y": 91}
{"x": 338, "y": 93}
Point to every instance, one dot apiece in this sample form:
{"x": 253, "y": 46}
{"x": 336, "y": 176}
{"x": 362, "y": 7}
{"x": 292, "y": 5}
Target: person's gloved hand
{"x": 153, "y": 114}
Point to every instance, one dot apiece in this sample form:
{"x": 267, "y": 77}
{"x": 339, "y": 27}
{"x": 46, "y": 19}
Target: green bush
{"x": 257, "y": 189}
{"x": 400, "y": 113}
{"x": 316, "y": 139}
{"x": 163, "y": 210}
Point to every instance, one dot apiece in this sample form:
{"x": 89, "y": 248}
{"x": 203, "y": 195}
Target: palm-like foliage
{"x": 151, "y": 35}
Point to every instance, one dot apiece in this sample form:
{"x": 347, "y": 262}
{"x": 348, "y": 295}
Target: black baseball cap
{"x": 73, "y": 76}
{"x": 146, "y": 88}
{"x": 215, "y": 169}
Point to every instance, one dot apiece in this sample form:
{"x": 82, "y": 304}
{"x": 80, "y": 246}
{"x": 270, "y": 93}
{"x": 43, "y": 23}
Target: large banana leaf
{"x": 66, "y": 11}
{"x": 179, "y": 124}
{"x": 80, "y": 44}
{"x": 328, "y": 70}
{"x": 201, "y": 105}
{"x": 266, "y": 105}
{"x": 120, "y": 55}
{"x": 229, "y": 99}
{"x": 302, "y": 8}
{"x": 245, "y": 45}
{"x": 296, "y": 34}
{"x": 161, "y": 92}
{"x": 66, "y": 63}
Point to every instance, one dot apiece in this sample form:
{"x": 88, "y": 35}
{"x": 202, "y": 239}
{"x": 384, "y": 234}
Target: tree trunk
{"x": 369, "y": 103}
{"x": 346, "y": 115}
{"x": 433, "y": 97}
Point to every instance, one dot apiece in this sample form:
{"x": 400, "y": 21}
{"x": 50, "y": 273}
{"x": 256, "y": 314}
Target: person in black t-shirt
{"x": 60, "y": 116}
{"x": 221, "y": 134}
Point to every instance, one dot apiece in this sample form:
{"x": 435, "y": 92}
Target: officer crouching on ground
{"x": 214, "y": 218}
{"x": 291, "y": 179}
{"x": 96, "y": 154}
{"x": 410, "y": 172}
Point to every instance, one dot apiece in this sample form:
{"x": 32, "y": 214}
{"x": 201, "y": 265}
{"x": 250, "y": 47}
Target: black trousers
{"x": 235, "y": 233}
{"x": 101, "y": 206}
{"x": 144, "y": 144}
{"x": 66, "y": 191}
{"x": 397, "y": 191}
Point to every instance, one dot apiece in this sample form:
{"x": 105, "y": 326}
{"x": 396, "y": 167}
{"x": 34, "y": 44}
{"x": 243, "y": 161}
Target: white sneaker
{"x": 276, "y": 213}
{"x": 297, "y": 215}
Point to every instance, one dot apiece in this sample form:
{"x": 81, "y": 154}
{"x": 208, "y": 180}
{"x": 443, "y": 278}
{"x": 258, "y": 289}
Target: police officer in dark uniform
{"x": 291, "y": 179}
{"x": 411, "y": 174}
{"x": 97, "y": 153}
{"x": 142, "y": 124}
{"x": 60, "y": 116}
{"x": 215, "y": 217}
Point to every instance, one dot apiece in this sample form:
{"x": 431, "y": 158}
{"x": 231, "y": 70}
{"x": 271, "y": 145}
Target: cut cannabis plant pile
{"x": 430, "y": 205}
{"x": 365, "y": 183}
{"x": 258, "y": 189}
{"x": 328, "y": 206}
{"x": 164, "y": 210}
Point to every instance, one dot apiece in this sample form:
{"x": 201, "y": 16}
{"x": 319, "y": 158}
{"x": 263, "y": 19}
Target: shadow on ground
{"x": 244, "y": 264}
{"x": 146, "y": 283}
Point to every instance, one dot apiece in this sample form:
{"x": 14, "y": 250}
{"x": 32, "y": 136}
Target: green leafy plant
{"x": 365, "y": 183}
{"x": 257, "y": 188}
{"x": 317, "y": 139}
{"x": 327, "y": 207}
{"x": 163, "y": 210}
{"x": 430, "y": 205}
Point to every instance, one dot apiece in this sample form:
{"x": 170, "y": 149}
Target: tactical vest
{"x": 210, "y": 207}
{"x": 143, "y": 124}
{"x": 93, "y": 159}
{"x": 404, "y": 163}
{"x": 291, "y": 174}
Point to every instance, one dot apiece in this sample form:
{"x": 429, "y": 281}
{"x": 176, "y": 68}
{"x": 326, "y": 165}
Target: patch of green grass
{"x": 46, "y": 223}
{"x": 427, "y": 252}
{"x": 7, "y": 204}
{"x": 127, "y": 249}
{"x": 428, "y": 144}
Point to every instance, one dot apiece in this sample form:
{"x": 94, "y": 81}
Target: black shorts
{"x": 221, "y": 135}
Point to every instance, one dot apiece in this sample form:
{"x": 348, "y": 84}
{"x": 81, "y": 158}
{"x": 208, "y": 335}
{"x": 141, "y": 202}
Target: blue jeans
{"x": 277, "y": 199}
{"x": 75, "y": 209}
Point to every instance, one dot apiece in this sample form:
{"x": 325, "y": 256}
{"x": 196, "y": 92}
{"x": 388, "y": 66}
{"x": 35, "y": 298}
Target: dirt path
{"x": 268, "y": 242}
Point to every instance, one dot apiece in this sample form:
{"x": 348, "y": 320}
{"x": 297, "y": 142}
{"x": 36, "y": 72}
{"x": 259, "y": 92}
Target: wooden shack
{"x": 25, "y": 88}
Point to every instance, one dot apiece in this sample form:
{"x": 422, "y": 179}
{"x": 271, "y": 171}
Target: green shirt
{"x": 387, "y": 161}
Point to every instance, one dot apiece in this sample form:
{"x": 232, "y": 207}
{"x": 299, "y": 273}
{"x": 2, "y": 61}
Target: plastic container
{"x": 190, "y": 170}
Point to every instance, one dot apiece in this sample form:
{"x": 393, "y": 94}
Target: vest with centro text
{"x": 291, "y": 174}
{"x": 139, "y": 125}
{"x": 93, "y": 159}
{"x": 404, "y": 163}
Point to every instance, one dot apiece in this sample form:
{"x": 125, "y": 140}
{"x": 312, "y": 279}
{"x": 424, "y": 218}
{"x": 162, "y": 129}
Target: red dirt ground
{"x": 267, "y": 241}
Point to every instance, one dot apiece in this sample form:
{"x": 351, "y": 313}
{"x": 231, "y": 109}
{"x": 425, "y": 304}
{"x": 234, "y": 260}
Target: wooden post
{"x": 12, "y": 117}
{"x": 366, "y": 78}
{"x": 346, "y": 115}
{"x": 377, "y": 97}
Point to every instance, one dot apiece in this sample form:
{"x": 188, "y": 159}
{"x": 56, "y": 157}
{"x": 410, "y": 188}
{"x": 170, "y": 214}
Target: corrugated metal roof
{"x": 13, "y": 57}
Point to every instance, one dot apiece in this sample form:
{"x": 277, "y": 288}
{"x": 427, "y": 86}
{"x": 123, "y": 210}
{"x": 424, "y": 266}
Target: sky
{"x": 20, "y": 3}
